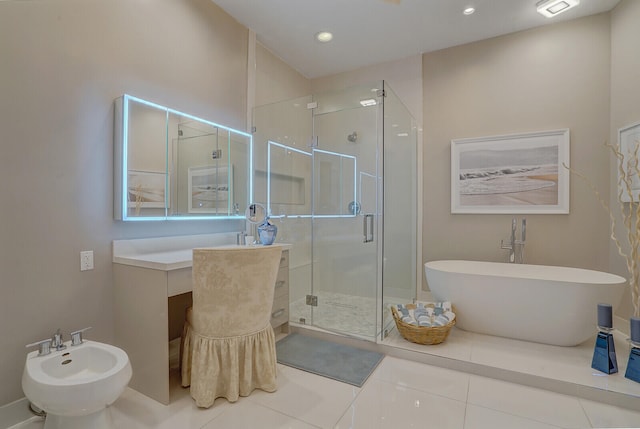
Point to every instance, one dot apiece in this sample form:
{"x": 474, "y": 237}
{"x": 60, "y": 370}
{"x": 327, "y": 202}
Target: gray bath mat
{"x": 337, "y": 361}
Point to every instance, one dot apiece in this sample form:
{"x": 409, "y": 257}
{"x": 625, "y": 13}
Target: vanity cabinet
{"x": 149, "y": 309}
{"x": 280, "y": 308}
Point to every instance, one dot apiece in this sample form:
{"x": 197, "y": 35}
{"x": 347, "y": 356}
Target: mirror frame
{"x": 120, "y": 165}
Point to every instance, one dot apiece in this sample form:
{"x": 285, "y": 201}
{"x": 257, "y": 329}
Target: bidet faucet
{"x": 57, "y": 342}
{"x": 44, "y": 346}
{"x": 76, "y": 336}
{"x": 516, "y": 247}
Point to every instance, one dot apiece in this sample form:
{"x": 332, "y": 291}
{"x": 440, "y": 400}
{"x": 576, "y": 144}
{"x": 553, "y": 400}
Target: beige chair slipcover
{"x": 228, "y": 345}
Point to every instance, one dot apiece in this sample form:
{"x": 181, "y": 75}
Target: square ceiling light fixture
{"x": 551, "y": 8}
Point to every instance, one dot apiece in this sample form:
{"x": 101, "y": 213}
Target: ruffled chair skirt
{"x": 227, "y": 367}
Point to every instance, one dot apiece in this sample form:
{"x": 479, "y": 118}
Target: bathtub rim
{"x": 526, "y": 271}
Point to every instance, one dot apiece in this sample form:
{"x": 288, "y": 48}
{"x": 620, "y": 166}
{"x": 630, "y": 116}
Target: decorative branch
{"x": 628, "y": 167}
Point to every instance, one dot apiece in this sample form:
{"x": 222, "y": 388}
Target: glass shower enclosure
{"x": 337, "y": 172}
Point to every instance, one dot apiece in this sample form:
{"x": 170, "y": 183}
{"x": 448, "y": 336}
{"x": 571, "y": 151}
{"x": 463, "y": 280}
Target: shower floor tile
{"x": 340, "y": 312}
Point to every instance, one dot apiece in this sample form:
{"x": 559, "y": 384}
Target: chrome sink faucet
{"x": 516, "y": 247}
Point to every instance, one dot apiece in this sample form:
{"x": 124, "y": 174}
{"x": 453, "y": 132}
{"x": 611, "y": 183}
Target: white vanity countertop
{"x": 170, "y": 253}
{"x": 165, "y": 261}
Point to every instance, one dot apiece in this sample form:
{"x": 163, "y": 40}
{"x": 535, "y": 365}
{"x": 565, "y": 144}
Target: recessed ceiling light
{"x": 469, "y": 10}
{"x": 551, "y": 8}
{"x": 324, "y": 36}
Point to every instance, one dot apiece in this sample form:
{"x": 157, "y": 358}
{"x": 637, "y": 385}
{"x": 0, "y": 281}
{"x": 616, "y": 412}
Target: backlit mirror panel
{"x": 172, "y": 165}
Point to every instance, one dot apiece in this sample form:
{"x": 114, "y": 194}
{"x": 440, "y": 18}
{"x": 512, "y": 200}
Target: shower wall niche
{"x": 337, "y": 172}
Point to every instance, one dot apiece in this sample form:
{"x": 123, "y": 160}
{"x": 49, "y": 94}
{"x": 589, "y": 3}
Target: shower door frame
{"x": 290, "y": 125}
{"x": 376, "y": 212}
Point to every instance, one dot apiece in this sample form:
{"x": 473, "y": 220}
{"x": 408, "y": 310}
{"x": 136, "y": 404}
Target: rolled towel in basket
{"x": 410, "y": 320}
{"x": 444, "y": 318}
{"x": 402, "y": 310}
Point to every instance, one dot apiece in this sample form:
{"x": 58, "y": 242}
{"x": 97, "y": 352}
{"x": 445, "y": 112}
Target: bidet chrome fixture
{"x": 516, "y": 247}
{"x": 44, "y": 346}
{"x": 57, "y": 342}
{"x": 76, "y": 336}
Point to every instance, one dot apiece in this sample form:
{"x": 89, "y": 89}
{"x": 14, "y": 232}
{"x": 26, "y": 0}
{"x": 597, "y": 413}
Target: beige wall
{"x": 275, "y": 80}
{"x": 63, "y": 64}
{"x": 625, "y": 104}
{"x": 547, "y": 78}
{"x": 404, "y": 76}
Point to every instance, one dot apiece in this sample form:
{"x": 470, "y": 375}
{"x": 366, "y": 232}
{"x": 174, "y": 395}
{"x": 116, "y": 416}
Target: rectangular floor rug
{"x": 337, "y": 361}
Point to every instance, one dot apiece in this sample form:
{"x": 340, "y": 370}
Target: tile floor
{"x": 552, "y": 367}
{"x": 399, "y": 394}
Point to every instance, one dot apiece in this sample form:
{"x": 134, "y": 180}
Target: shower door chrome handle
{"x": 367, "y": 228}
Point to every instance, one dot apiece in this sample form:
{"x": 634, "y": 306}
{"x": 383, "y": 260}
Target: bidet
{"x": 75, "y": 385}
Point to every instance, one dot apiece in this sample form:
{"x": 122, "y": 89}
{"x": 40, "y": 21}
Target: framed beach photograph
{"x": 629, "y": 140}
{"x": 146, "y": 189}
{"x": 209, "y": 189}
{"x": 510, "y": 174}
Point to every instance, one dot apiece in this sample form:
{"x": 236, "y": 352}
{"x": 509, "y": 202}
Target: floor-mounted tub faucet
{"x": 516, "y": 247}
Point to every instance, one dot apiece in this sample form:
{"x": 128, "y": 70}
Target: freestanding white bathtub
{"x": 539, "y": 303}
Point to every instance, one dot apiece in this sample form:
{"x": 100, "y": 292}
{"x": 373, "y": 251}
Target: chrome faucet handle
{"x": 57, "y": 342}
{"x": 76, "y": 336}
{"x": 44, "y": 346}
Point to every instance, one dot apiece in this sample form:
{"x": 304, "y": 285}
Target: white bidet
{"x": 75, "y": 385}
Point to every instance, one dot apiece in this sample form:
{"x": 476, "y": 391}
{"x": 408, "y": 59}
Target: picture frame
{"x": 628, "y": 138}
{"x": 146, "y": 190}
{"x": 511, "y": 174}
{"x": 210, "y": 189}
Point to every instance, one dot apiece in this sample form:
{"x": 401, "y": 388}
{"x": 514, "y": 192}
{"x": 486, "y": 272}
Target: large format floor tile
{"x": 386, "y": 405}
{"x": 308, "y": 397}
{"x": 535, "y": 404}
{"x": 570, "y": 365}
{"x": 249, "y": 415}
{"x": 430, "y": 379}
{"x": 399, "y": 394}
{"x": 485, "y": 418}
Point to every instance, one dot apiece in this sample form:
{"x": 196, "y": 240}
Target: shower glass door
{"x": 319, "y": 164}
{"x": 346, "y": 207}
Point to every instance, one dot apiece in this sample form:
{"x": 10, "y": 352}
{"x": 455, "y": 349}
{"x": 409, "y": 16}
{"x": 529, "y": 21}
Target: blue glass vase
{"x": 267, "y": 233}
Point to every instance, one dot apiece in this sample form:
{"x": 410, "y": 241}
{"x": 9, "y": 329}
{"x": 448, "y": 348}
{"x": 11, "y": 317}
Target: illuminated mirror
{"x": 172, "y": 165}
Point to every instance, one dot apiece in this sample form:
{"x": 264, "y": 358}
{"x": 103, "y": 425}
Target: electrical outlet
{"x": 86, "y": 260}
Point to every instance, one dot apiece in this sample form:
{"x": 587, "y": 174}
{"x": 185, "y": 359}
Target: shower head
{"x": 352, "y": 137}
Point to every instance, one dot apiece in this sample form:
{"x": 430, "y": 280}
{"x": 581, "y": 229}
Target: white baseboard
{"x": 15, "y": 412}
{"x": 621, "y": 324}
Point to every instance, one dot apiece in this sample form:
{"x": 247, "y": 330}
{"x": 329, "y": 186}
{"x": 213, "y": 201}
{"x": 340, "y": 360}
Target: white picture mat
{"x": 511, "y": 174}
{"x": 628, "y": 138}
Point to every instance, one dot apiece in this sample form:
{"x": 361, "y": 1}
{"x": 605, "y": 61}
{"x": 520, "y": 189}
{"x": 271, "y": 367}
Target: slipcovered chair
{"x": 228, "y": 345}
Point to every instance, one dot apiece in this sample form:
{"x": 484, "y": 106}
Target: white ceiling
{"x": 374, "y": 31}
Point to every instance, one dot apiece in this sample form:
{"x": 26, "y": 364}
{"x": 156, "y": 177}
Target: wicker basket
{"x": 421, "y": 334}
